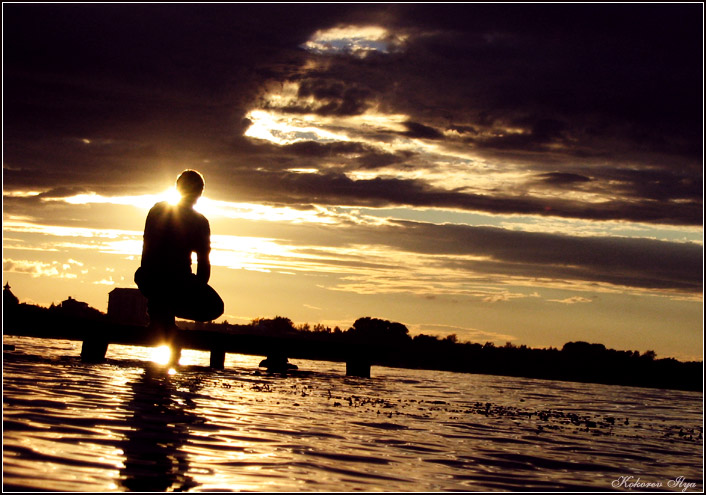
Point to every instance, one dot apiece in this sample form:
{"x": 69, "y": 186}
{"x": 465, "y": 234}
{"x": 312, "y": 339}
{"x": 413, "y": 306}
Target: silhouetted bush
{"x": 377, "y": 331}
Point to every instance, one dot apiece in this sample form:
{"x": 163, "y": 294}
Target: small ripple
{"x": 420, "y": 448}
{"x": 348, "y": 457}
{"x": 242, "y": 438}
{"x": 360, "y": 477}
{"x": 455, "y": 463}
{"x": 546, "y": 463}
{"x": 382, "y": 426}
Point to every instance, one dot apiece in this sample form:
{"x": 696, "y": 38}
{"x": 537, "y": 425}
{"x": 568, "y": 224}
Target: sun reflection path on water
{"x": 129, "y": 423}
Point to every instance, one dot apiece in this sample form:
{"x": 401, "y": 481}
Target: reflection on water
{"x": 129, "y": 425}
{"x": 159, "y": 428}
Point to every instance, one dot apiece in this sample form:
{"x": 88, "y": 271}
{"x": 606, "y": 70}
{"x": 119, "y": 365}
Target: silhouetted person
{"x": 172, "y": 234}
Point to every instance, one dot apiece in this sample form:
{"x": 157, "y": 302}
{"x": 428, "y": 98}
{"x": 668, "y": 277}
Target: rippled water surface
{"x": 129, "y": 424}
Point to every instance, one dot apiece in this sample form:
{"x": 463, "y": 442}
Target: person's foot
{"x": 162, "y": 332}
{"x": 175, "y": 354}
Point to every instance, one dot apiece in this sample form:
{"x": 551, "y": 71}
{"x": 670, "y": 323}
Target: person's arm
{"x": 149, "y": 235}
{"x": 203, "y": 261}
{"x": 203, "y": 267}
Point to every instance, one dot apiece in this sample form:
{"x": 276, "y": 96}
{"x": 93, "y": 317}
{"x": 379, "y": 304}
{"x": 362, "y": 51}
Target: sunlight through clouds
{"x": 143, "y": 201}
{"x": 286, "y": 117}
{"x": 259, "y": 212}
{"x": 281, "y": 129}
{"x": 210, "y": 207}
{"x": 358, "y": 41}
{"x": 61, "y": 231}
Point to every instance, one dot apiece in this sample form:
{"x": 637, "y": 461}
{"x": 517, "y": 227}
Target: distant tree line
{"x": 388, "y": 343}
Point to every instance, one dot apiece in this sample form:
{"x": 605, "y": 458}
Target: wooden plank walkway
{"x": 98, "y": 335}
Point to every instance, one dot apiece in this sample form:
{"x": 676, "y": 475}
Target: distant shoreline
{"x": 383, "y": 343}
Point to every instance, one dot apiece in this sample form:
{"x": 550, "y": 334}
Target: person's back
{"x": 172, "y": 233}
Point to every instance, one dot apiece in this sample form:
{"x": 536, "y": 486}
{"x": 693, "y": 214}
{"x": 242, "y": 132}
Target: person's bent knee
{"x": 218, "y": 309}
{"x": 211, "y": 311}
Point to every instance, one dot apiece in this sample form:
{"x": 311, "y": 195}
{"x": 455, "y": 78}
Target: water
{"x": 129, "y": 424}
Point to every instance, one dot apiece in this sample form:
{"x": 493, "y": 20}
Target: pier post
{"x": 359, "y": 358}
{"x": 93, "y": 350}
{"x": 218, "y": 359}
{"x": 358, "y": 367}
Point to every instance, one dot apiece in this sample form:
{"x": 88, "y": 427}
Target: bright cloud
{"x": 38, "y": 268}
{"x": 286, "y": 129}
{"x": 571, "y": 300}
{"x": 354, "y": 40}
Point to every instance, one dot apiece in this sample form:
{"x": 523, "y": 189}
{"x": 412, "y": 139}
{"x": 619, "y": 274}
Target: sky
{"x": 524, "y": 173}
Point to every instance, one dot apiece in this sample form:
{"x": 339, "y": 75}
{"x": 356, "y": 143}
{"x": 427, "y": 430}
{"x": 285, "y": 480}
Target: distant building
{"x": 72, "y": 307}
{"x": 8, "y": 298}
{"x": 128, "y": 307}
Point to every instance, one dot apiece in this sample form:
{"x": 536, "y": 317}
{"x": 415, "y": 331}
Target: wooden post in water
{"x": 93, "y": 350}
{"x": 218, "y": 359}
{"x": 358, "y": 367}
{"x": 358, "y": 359}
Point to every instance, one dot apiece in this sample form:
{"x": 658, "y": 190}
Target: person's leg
{"x": 198, "y": 301}
{"x": 160, "y": 306}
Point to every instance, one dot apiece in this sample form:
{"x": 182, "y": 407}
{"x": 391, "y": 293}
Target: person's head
{"x": 190, "y": 186}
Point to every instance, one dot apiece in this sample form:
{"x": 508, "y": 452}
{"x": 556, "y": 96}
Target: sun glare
{"x": 144, "y": 201}
{"x": 172, "y": 196}
{"x": 161, "y": 354}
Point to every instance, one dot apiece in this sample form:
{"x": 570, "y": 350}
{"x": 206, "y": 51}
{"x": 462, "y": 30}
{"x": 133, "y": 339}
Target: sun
{"x": 162, "y": 355}
{"x": 171, "y": 196}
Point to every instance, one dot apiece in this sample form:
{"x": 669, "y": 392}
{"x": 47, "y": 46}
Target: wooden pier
{"x": 97, "y": 335}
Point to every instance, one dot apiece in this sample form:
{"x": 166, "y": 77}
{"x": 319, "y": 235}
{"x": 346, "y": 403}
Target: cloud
{"x": 358, "y": 41}
{"x": 562, "y": 178}
{"x": 631, "y": 262}
{"x": 332, "y": 98}
{"x": 332, "y": 188}
{"x": 35, "y": 268}
{"x": 61, "y": 192}
{"x": 571, "y": 300}
{"x": 486, "y": 86}
{"x": 472, "y": 256}
{"x": 504, "y": 297}
{"x": 497, "y": 109}
{"x": 465, "y": 334}
{"x": 417, "y": 130}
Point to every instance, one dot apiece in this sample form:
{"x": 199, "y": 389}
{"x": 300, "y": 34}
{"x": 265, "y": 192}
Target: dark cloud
{"x": 61, "y": 192}
{"x": 318, "y": 150}
{"x": 376, "y": 159}
{"x": 630, "y": 262}
{"x": 588, "y": 65}
{"x": 562, "y": 178}
{"x": 417, "y": 130}
{"x": 658, "y": 185}
{"x": 332, "y": 188}
{"x": 644, "y": 263}
{"x": 617, "y": 261}
{"x": 612, "y": 89}
{"x": 332, "y": 98}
